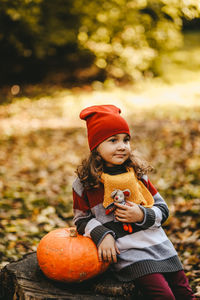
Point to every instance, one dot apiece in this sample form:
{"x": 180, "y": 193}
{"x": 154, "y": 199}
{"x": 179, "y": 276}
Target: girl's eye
{"x": 113, "y": 140}
{"x": 126, "y": 140}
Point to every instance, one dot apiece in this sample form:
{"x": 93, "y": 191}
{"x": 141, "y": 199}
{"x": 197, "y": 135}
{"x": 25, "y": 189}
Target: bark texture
{"x": 23, "y": 280}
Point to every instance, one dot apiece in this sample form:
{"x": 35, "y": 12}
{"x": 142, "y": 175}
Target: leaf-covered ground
{"x": 42, "y": 141}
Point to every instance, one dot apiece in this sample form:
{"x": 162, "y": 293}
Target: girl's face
{"x": 115, "y": 150}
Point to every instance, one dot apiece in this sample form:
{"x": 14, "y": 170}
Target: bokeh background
{"x": 58, "y": 57}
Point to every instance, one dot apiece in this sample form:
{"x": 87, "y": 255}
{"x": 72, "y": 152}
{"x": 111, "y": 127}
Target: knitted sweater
{"x": 139, "y": 194}
{"x": 144, "y": 251}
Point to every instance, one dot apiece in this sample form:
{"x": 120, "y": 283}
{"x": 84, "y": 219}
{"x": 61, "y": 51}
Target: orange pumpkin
{"x": 66, "y": 256}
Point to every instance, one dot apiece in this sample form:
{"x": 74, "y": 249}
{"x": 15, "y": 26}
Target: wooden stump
{"x": 23, "y": 280}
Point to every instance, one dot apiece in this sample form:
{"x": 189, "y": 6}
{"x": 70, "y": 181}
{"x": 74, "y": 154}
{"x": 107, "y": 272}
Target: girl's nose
{"x": 121, "y": 146}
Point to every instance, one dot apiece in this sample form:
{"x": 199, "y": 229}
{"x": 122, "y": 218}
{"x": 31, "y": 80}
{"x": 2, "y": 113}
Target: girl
{"x": 140, "y": 251}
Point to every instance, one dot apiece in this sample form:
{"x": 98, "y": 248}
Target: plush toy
{"x": 119, "y": 196}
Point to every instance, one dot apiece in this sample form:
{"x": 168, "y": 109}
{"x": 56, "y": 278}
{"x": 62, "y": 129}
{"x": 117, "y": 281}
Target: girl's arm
{"x": 84, "y": 220}
{"x": 159, "y": 213}
{"x": 108, "y": 250}
{"x": 142, "y": 216}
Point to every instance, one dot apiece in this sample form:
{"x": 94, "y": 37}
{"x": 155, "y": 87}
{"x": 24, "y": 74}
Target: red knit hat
{"x": 103, "y": 121}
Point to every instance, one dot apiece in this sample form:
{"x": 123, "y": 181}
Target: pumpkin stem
{"x": 73, "y": 232}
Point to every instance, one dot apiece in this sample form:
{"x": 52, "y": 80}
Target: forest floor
{"x": 42, "y": 141}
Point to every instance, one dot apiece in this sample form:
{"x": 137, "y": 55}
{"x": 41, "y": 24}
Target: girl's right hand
{"x": 108, "y": 250}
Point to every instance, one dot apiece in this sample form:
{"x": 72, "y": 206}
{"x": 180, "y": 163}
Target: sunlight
{"x": 62, "y": 108}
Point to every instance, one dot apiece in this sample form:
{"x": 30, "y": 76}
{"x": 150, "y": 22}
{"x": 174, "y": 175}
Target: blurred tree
{"x": 127, "y": 36}
{"x": 124, "y": 36}
{"x": 35, "y": 37}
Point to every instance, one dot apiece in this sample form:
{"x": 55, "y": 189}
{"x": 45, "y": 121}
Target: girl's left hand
{"x": 130, "y": 213}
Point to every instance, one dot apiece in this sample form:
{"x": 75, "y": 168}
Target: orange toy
{"x": 66, "y": 256}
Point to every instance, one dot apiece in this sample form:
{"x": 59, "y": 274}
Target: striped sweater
{"x": 144, "y": 251}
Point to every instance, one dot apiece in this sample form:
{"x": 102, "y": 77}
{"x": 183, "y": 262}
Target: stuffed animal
{"x": 119, "y": 196}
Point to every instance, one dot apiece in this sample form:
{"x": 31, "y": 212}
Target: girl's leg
{"x": 154, "y": 287}
{"x": 179, "y": 285}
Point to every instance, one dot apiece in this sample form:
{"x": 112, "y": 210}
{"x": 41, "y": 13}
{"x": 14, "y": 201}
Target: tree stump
{"x": 23, "y": 280}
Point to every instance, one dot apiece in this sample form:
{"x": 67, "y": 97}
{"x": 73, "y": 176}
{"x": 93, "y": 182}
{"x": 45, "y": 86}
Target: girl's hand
{"x": 130, "y": 213}
{"x": 107, "y": 249}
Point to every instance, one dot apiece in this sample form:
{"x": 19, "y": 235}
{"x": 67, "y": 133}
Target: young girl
{"x": 128, "y": 235}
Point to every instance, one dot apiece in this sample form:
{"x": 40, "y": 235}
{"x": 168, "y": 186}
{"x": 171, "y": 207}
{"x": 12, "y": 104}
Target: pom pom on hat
{"x": 103, "y": 121}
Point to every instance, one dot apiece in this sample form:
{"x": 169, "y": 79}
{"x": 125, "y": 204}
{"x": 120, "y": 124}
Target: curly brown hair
{"x": 90, "y": 170}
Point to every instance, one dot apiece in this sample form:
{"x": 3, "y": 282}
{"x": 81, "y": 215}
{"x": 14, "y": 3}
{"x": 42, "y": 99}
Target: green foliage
{"x": 37, "y": 27}
{"x": 33, "y": 34}
{"x": 128, "y": 36}
{"x": 125, "y": 37}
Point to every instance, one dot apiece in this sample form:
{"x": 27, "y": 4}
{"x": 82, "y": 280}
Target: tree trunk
{"x": 23, "y": 280}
